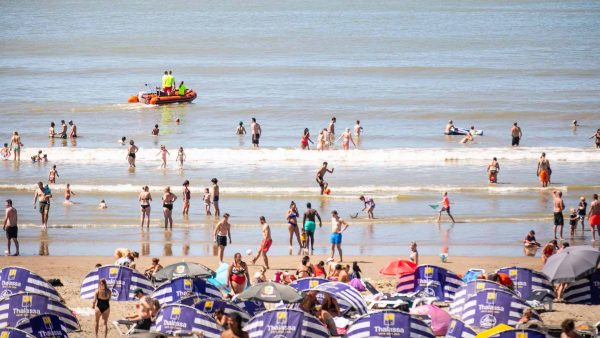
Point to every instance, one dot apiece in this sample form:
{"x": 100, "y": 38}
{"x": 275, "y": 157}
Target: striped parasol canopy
{"x": 389, "y": 323}
{"x": 285, "y": 323}
{"x": 181, "y": 287}
{"x": 14, "y": 279}
{"x": 121, "y": 281}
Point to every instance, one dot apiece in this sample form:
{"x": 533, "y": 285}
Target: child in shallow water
{"x": 573, "y": 220}
{"x": 207, "y": 200}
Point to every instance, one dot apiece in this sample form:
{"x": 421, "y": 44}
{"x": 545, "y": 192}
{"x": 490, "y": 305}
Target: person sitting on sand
{"x": 319, "y": 269}
{"x": 356, "y": 271}
{"x": 234, "y": 324}
{"x": 154, "y": 268}
{"x": 260, "y": 276}
{"x": 530, "y": 240}
{"x": 305, "y": 268}
{"x": 568, "y": 329}
{"x": 128, "y": 260}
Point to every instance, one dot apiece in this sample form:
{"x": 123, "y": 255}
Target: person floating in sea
{"x": 305, "y": 139}
{"x": 131, "y": 150}
{"x": 597, "y": 136}
{"x": 5, "y": 152}
{"x": 346, "y": 138}
{"x": 221, "y": 234}
{"x": 73, "y": 133}
{"x": 265, "y": 244}
{"x": 53, "y": 174}
{"x": 163, "y": 152}
{"x": 102, "y": 205}
{"x": 445, "y": 207}
{"x": 493, "y": 170}
{"x": 544, "y": 171}
{"x": 241, "y": 130}
{"x": 336, "y": 233}
{"x": 321, "y": 177}
{"x": 256, "y": 133}
{"x": 369, "y": 205}
{"x": 559, "y": 206}
{"x": 470, "y": 136}
{"x": 516, "y": 134}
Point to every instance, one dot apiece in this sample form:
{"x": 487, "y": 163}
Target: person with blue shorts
{"x": 336, "y": 233}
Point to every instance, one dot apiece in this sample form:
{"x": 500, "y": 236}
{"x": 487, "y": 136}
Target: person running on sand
{"x": 516, "y": 134}
{"x": 5, "y": 152}
{"x": 215, "y": 196}
{"x": 155, "y": 130}
{"x": 43, "y": 196}
{"x": 180, "y": 157}
{"x": 309, "y": 223}
{"x": 168, "y": 198}
{"x": 131, "y": 150}
{"x": 597, "y": 136}
{"x": 493, "y": 170}
{"x": 559, "y": 206}
{"x": 581, "y": 211}
{"x": 346, "y": 138}
{"x": 73, "y": 133}
{"x": 101, "y": 305}
{"x": 369, "y": 205}
{"x": 543, "y": 170}
{"x": 68, "y": 193}
{"x": 186, "y": 198}
{"x": 241, "y": 130}
{"x": 256, "y": 133}
{"x": 292, "y": 219}
{"x": 163, "y": 152}
{"x": 321, "y": 177}
{"x": 305, "y": 139}
{"x": 265, "y": 244}
{"x": 145, "y": 198}
{"x": 207, "y": 200}
{"x": 594, "y": 217}
{"x": 10, "y": 226}
{"x": 336, "y": 234}
{"x": 15, "y": 145}
{"x": 53, "y": 174}
{"x": 221, "y": 233}
{"x": 51, "y": 130}
{"x": 445, "y": 207}
{"x": 331, "y": 131}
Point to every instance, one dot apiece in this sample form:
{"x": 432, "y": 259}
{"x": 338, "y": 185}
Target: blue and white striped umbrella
{"x": 253, "y": 307}
{"x": 10, "y": 332}
{"x": 285, "y": 323}
{"x": 308, "y": 283}
{"x": 491, "y": 307}
{"x": 44, "y": 326}
{"x": 471, "y": 289}
{"x": 344, "y": 293}
{"x": 184, "y": 319}
{"x": 389, "y": 323}
{"x": 177, "y": 288}
{"x": 121, "y": 281}
{"x": 14, "y": 279}
{"x": 516, "y": 333}
{"x": 25, "y": 305}
{"x": 458, "y": 329}
{"x": 526, "y": 281}
{"x": 584, "y": 291}
{"x": 210, "y": 305}
{"x": 431, "y": 280}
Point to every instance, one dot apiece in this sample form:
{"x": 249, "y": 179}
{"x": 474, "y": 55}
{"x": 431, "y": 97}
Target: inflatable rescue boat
{"x": 153, "y": 98}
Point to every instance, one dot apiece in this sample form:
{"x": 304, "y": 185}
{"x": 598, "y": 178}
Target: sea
{"x": 403, "y": 68}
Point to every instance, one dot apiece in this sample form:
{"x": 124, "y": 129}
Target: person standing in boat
{"x": 166, "y": 84}
{"x": 172, "y": 81}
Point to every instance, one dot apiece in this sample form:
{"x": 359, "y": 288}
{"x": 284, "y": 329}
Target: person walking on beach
{"x": 180, "y": 157}
{"x": 516, "y": 134}
{"x": 15, "y": 145}
{"x": 221, "y": 233}
{"x": 544, "y": 171}
{"x": 73, "y": 133}
{"x": 163, "y": 152}
{"x": 493, "y": 170}
{"x": 256, "y": 132}
{"x": 331, "y": 131}
{"x": 292, "y": 219}
{"x": 445, "y": 207}
{"x": 310, "y": 225}
{"x": 305, "y": 139}
{"x": 53, "y": 174}
{"x": 101, "y": 305}
{"x": 145, "y": 198}
{"x": 594, "y": 217}
{"x": 186, "y": 197}
{"x": 237, "y": 274}
{"x": 131, "y": 150}
{"x": 168, "y": 198}
{"x": 265, "y": 244}
{"x": 10, "y": 226}
{"x": 43, "y": 196}
{"x": 336, "y": 234}
{"x": 559, "y": 206}
{"x": 369, "y": 205}
{"x": 321, "y": 177}
{"x": 68, "y": 194}
{"x": 346, "y": 138}
{"x": 215, "y": 196}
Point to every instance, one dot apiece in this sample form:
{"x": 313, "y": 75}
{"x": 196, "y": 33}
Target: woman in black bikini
{"x": 101, "y": 305}
{"x": 168, "y": 199}
{"x": 145, "y": 199}
{"x": 292, "y": 218}
{"x": 131, "y": 150}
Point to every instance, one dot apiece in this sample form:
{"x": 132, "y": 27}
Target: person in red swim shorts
{"x": 594, "y": 217}
{"x": 265, "y": 244}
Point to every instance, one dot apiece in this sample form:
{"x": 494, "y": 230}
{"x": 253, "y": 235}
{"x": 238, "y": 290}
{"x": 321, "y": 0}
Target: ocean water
{"x": 403, "y": 69}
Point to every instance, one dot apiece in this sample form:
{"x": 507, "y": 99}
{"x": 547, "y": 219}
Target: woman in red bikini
{"x": 237, "y": 275}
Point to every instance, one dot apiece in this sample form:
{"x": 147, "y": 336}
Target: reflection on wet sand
{"x": 44, "y": 248}
{"x": 168, "y": 244}
{"x": 145, "y": 244}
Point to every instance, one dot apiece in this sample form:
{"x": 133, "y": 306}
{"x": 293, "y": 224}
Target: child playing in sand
{"x": 163, "y": 152}
{"x": 207, "y": 200}
{"x": 53, "y": 174}
{"x": 180, "y": 157}
{"x": 5, "y": 152}
{"x": 573, "y": 220}
{"x": 68, "y": 193}
{"x": 102, "y": 205}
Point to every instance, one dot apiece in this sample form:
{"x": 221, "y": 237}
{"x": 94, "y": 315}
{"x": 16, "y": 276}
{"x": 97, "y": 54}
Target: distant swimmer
{"x": 305, "y": 140}
{"x": 163, "y": 152}
{"x": 559, "y": 206}
{"x": 51, "y": 130}
{"x": 357, "y": 129}
{"x": 180, "y": 157}
{"x": 574, "y": 124}
{"x": 594, "y": 217}
{"x": 168, "y": 199}
{"x": 346, "y": 138}
{"x": 73, "y": 133}
{"x": 445, "y": 207}
{"x": 321, "y": 140}
{"x": 449, "y": 128}
{"x": 543, "y": 170}
{"x": 492, "y": 170}
{"x": 145, "y": 198}
{"x": 221, "y": 234}
{"x": 123, "y": 140}
{"x": 155, "y": 130}
{"x": 5, "y": 152}
{"x": 68, "y": 193}
{"x": 63, "y": 129}
{"x": 215, "y": 196}
{"x": 369, "y": 205}
{"x": 37, "y": 158}
{"x": 131, "y": 151}
{"x": 53, "y": 174}
{"x": 256, "y": 133}
{"x": 241, "y": 130}
{"x": 102, "y": 205}
{"x": 470, "y": 136}
{"x": 321, "y": 177}
{"x": 331, "y": 131}
{"x": 597, "y": 136}
{"x": 15, "y": 145}
{"x": 336, "y": 233}
{"x": 265, "y": 244}
{"x": 516, "y": 134}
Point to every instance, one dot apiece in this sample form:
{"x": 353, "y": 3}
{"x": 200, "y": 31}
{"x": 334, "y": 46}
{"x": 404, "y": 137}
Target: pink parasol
{"x": 440, "y": 319}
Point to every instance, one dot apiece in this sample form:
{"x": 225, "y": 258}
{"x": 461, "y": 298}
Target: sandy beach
{"x": 72, "y": 270}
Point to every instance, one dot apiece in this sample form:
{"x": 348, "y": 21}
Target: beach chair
{"x": 379, "y": 300}
{"x": 540, "y": 300}
{"x": 131, "y": 327}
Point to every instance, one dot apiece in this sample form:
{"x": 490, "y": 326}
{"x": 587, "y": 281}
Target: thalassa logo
{"x": 208, "y": 305}
{"x": 113, "y": 273}
{"x": 313, "y": 283}
{"x": 389, "y": 319}
{"x": 175, "y": 313}
{"x": 47, "y": 322}
{"x": 281, "y": 318}
{"x": 12, "y": 274}
{"x": 188, "y": 284}
{"x": 491, "y": 298}
{"x": 428, "y": 272}
{"x": 26, "y": 301}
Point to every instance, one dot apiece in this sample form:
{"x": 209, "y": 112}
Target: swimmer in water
{"x": 241, "y": 130}
{"x": 68, "y": 193}
{"x": 53, "y": 174}
{"x": 346, "y": 138}
{"x": 180, "y": 157}
{"x": 102, "y": 205}
{"x": 597, "y": 136}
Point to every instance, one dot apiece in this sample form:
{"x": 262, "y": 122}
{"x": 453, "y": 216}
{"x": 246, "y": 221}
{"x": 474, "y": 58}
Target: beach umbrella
{"x": 308, "y": 283}
{"x": 210, "y": 305}
{"x": 491, "y": 307}
{"x": 14, "y": 279}
{"x": 398, "y": 267}
{"x": 518, "y": 333}
{"x": 347, "y": 296}
{"x": 431, "y": 281}
{"x": 252, "y": 307}
{"x": 458, "y": 329}
{"x": 270, "y": 292}
{"x": 25, "y": 305}
{"x": 183, "y": 319}
{"x": 181, "y": 287}
{"x": 43, "y": 326}
{"x": 285, "y": 323}
{"x": 571, "y": 264}
{"x": 182, "y": 269}
{"x": 526, "y": 281}
{"x": 584, "y": 291}
{"x": 471, "y": 289}
{"x": 11, "y": 332}
{"x": 440, "y": 319}
{"x": 121, "y": 281}
{"x": 388, "y": 323}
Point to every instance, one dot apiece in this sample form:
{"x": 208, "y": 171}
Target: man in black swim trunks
{"x": 10, "y": 226}
{"x": 256, "y": 132}
{"x": 516, "y": 134}
{"x": 40, "y": 193}
{"x": 559, "y": 206}
{"x": 143, "y": 316}
{"x": 321, "y": 177}
{"x": 222, "y": 231}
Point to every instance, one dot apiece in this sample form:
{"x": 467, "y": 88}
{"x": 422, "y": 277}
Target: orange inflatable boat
{"x": 152, "y": 98}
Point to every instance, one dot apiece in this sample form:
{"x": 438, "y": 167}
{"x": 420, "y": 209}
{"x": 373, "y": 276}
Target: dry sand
{"x": 72, "y": 270}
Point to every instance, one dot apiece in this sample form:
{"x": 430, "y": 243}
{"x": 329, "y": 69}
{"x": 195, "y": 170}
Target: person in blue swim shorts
{"x": 336, "y": 233}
